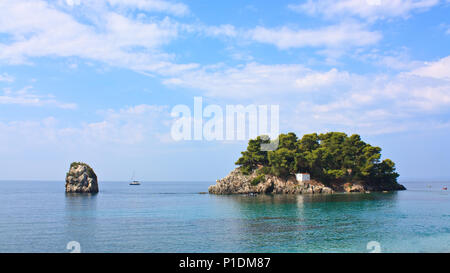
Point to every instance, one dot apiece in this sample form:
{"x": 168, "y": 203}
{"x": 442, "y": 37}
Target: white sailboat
{"x": 134, "y": 182}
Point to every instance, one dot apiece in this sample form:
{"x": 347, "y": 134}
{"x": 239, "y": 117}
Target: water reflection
{"x": 300, "y": 200}
{"x": 274, "y": 221}
{"x": 81, "y": 221}
{"x": 76, "y": 202}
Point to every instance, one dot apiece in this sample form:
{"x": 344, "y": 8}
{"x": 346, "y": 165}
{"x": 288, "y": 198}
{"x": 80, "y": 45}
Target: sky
{"x": 96, "y": 81}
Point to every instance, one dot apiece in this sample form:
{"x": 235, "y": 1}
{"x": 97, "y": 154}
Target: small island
{"x": 316, "y": 163}
{"x": 81, "y": 178}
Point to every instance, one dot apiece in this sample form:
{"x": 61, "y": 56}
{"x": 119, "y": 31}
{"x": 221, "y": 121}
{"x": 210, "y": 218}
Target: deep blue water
{"x": 173, "y": 217}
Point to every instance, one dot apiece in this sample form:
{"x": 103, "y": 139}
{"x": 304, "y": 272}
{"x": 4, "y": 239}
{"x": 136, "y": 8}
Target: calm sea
{"x": 173, "y": 217}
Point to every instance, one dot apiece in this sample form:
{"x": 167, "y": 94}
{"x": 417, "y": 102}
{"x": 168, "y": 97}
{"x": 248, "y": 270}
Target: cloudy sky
{"x": 95, "y": 80}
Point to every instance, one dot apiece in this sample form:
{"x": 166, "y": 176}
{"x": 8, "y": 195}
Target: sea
{"x": 162, "y": 217}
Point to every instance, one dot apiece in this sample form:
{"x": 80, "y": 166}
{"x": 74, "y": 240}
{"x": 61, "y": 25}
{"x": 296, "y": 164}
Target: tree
{"x": 385, "y": 171}
{"x": 253, "y": 156}
{"x": 309, "y": 143}
{"x": 288, "y": 141}
{"x": 306, "y": 145}
{"x": 282, "y": 162}
{"x": 329, "y": 156}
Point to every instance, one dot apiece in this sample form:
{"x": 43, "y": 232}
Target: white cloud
{"x": 226, "y": 30}
{"x": 26, "y": 134}
{"x": 6, "y": 78}
{"x": 163, "y": 6}
{"x": 330, "y": 97}
{"x": 255, "y": 81}
{"x": 379, "y": 104}
{"x": 244, "y": 81}
{"x": 337, "y": 36}
{"x": 396, "y": 62}
{"x": 309, "y": 101}
{"x": 318, "y": 79}
{"x": 152, "y": 5}
{"x": 367, "y": 9}
{"x": 129, "y": 126}
{"x": 39, "y": 29}
{"x": 318, "y": 100}
{"x": 438, "y": 70}
{"x": 73, "y": 2}
{"x": 28, "y": 98}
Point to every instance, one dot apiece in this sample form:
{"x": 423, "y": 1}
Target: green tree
{"x": 288, "y": 141}
{"x": 309, "y": 143}
{"x": 253, "y": 156}
{"x": 385, "y": 171}
{"x": 329, "y": 156}
{"x": 306, "y": 145}
{"x": 282, "y": 162}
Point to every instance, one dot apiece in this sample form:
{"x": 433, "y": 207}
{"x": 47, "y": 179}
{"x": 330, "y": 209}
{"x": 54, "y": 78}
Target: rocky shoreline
{"x": 238, "y": 183}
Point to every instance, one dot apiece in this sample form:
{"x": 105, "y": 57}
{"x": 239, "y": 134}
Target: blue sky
{"x": 95, "y": 81}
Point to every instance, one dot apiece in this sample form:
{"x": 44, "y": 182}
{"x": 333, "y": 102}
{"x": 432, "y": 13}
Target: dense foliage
{"x": 330, "y": 156}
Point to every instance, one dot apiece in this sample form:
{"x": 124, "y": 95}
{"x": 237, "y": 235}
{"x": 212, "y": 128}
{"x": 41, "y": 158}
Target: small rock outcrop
{"x": 238, "y": 183}
{"x": 81, "y": 178}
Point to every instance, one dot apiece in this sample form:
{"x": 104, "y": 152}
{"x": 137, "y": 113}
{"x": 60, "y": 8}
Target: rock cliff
{"x": 81, "y": 179}
{"x": 238, "y": 183}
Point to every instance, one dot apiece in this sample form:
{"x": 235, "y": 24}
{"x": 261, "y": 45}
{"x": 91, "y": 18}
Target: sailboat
{"x": 134, "y": 182}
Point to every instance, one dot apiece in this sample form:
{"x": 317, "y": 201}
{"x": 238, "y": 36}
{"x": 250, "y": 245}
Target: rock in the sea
{"x": 327, "y": 190}
{"x": 81, "y": 178}
{"x": 349, "y": 187}
{"x": 238, "y": 183}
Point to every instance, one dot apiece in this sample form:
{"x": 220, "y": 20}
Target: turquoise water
{"x": 173, "y": 217}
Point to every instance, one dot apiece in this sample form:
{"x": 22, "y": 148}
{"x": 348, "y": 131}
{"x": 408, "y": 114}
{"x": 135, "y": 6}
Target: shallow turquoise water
{"x": 173, "y": 217}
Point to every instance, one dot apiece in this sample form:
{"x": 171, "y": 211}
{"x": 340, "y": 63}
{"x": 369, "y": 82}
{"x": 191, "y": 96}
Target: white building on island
{"x": 302, "y": 177}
